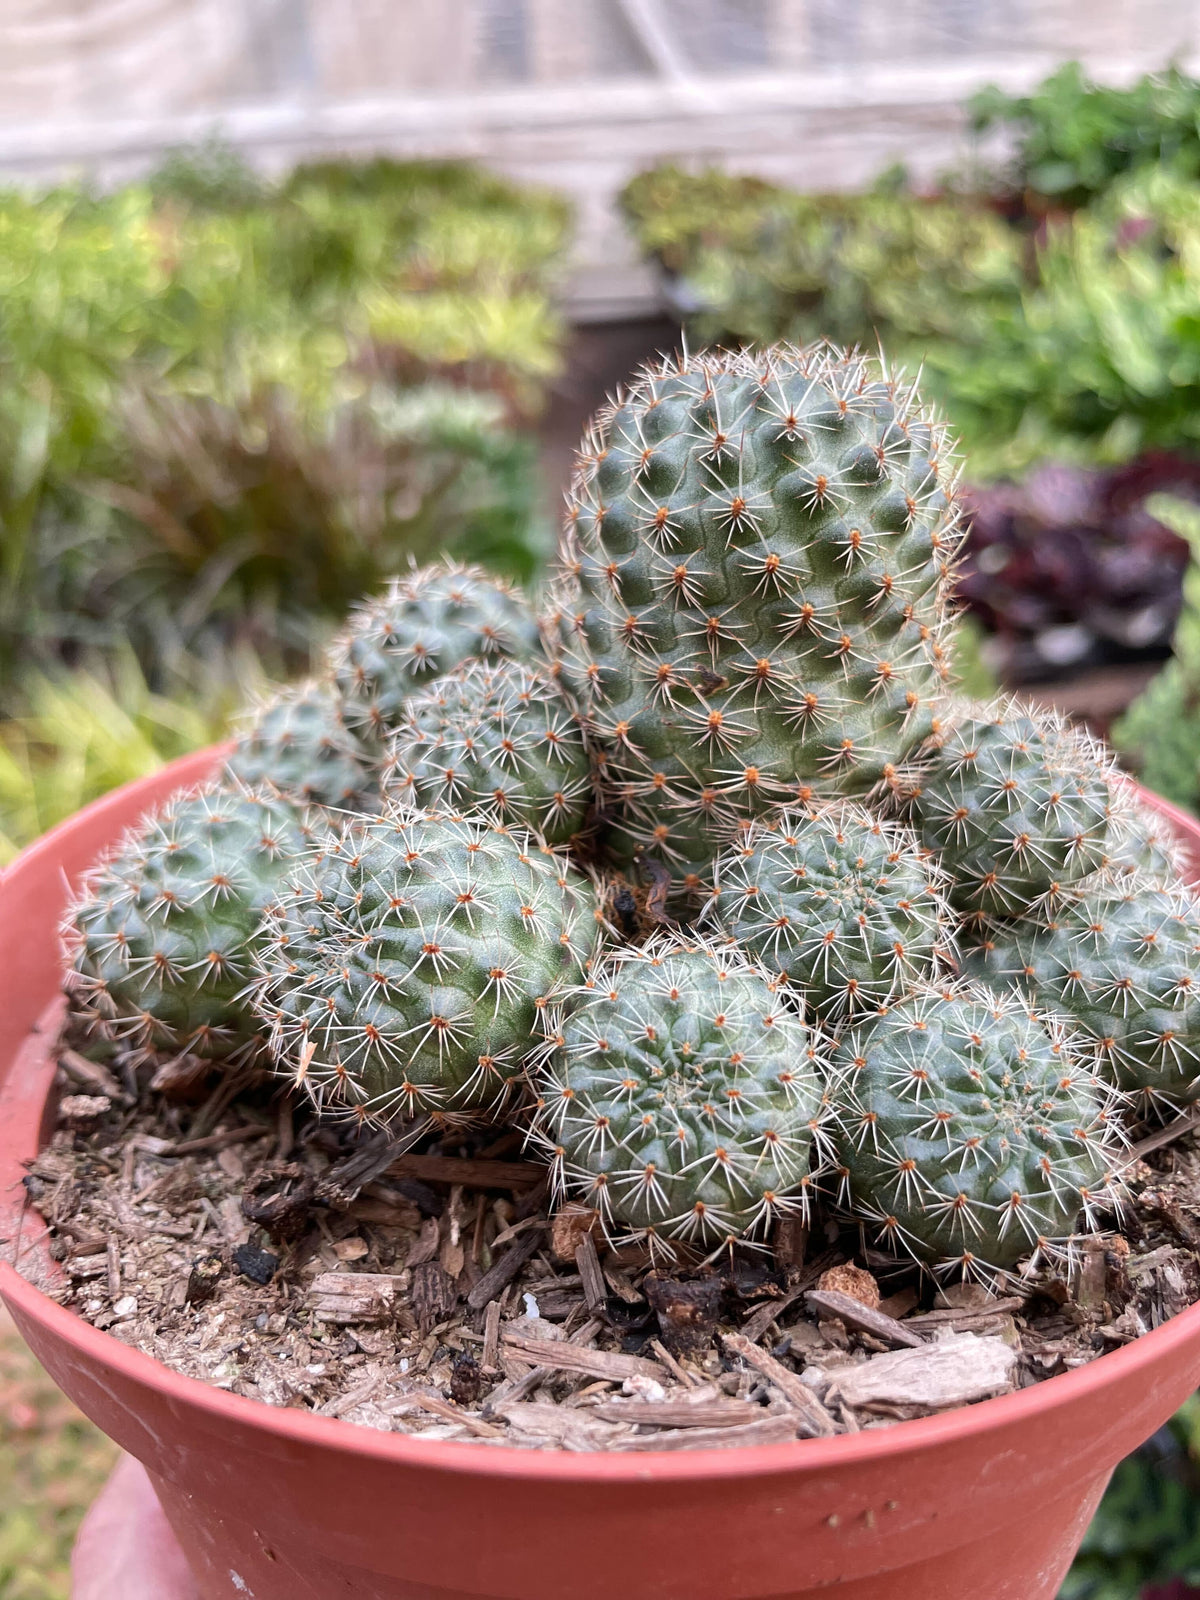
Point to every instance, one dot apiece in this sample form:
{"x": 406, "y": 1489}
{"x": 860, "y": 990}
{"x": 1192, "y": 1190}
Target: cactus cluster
{"x": 499, "y": 738}
{"x": 413, "y": 959}
{"x": 843, "y": 904}
{"x": 426, "y": 624}
{"x": 1014, "y": 805}
{"x": 298, "y": 744}
{"x": 915, "y": 956}
{"x": 970, "y": 1131}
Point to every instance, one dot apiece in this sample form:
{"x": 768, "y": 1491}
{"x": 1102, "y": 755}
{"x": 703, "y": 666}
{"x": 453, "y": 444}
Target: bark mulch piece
{"x": 418, "y": 1284}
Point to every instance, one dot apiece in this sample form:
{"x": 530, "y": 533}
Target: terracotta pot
{"x": 988, "y": 1501}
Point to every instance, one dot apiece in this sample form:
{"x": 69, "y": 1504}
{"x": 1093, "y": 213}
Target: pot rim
{"x": 97, "y": 1348}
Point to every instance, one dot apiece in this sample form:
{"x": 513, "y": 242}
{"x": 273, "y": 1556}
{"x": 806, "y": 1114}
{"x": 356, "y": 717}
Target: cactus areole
{"x": 283, "y": 1504}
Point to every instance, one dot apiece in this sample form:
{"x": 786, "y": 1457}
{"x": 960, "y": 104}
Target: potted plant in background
{"x": 830, "y": 955}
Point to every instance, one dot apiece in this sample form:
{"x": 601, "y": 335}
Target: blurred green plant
{"x": 1073, "y": 137}
{"x": 1159, "y": 735}
{"x": 75, "y": 735}
{"x": 1100, "y": 359}
{"x": 202, "y": 373}
{"x": 748, "y": 261}
{"x": 1084, "y": 345}
{"x": 251, "y": 517}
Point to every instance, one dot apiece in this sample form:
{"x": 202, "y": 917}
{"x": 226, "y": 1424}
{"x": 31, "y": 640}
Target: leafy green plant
{"x": 1159, "y": 735}
{"x": 75, "y": 735}
{"x": 754, "y": 262}
{"x": 1075, "y": 137}
{"x": 200, "y": 369}
{"x": 254, "y": 516}
{"x": 1101, "y": 358}
{"x": 1086, "y": 346}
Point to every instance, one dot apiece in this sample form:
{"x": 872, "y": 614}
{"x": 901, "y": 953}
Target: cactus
{"x": 299, "y": 745}
{"x": 165, "y": 931}
{"x": 969, "y": 1131}
{"x": 845, "y": 905}
{"x": 416, "y": 953}
{"x": 1139, "y": 841}
{"x": 501, "y": 738}
{"x": 428, "y": 622}
{"x": 1120, "y": 962}
{"x": 753, "y": 591}
{"x": 1015, "y": 805}
{"x": 681, "y": 1096}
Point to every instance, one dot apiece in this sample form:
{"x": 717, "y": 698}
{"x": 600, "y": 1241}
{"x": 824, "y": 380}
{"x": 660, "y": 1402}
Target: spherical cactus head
{"x": 1015, "y": 805}
{"x": 427, "y": 623}
{"x": 970, "y": 1133}
{"x": 417, "y": 954}
{"x": 848, "y": 907}
{"x": 1140, "y": 842}
{"x": 500, "y": 738}
{"x": 298, "y": 744}
{"x": 165, "y": 931}
{"x": 754, "y": 587}
{"x": 1120, "y": 963}
{"x": 682, "y": 1096}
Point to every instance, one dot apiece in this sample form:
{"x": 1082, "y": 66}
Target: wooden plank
{"x": 501, "y": 1273}
{"x": 832, "y": 1303}
{"x": 595, "y": 1290}
{"x": 679, "y": 1414}
{"x": 814, "y": 1420}
{"x": 771, "y": 1430}
{"x": 471, "y": 1174}
{"x": 564, "y": 1357}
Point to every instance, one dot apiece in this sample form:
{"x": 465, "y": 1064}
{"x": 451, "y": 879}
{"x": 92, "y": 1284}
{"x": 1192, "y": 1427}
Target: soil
{"x": 429, "y": 1290}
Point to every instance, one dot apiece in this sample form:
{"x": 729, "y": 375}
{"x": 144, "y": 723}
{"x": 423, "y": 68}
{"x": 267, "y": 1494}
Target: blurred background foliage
{"x": 228, "y": 409}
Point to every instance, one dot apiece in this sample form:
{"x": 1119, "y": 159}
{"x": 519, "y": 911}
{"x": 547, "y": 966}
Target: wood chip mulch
{"x": 430, "y": 1292}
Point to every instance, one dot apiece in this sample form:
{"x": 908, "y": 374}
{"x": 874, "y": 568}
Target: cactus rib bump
{"x": 417, "y": 952}
{"x": 165, "y": 931}
{"x": 845, "y": 905}
{"x": 681, "y": 1096}
{"x": 1016, "y": 806}
{"x": 427, "y": 623}
{"x": 970, "y": 1131}
{"x": 502, "y": 738}
{"x": 298, "y": 744}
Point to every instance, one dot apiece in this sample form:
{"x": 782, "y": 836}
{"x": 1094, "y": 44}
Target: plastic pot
{"x": 988, "y": 1501}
